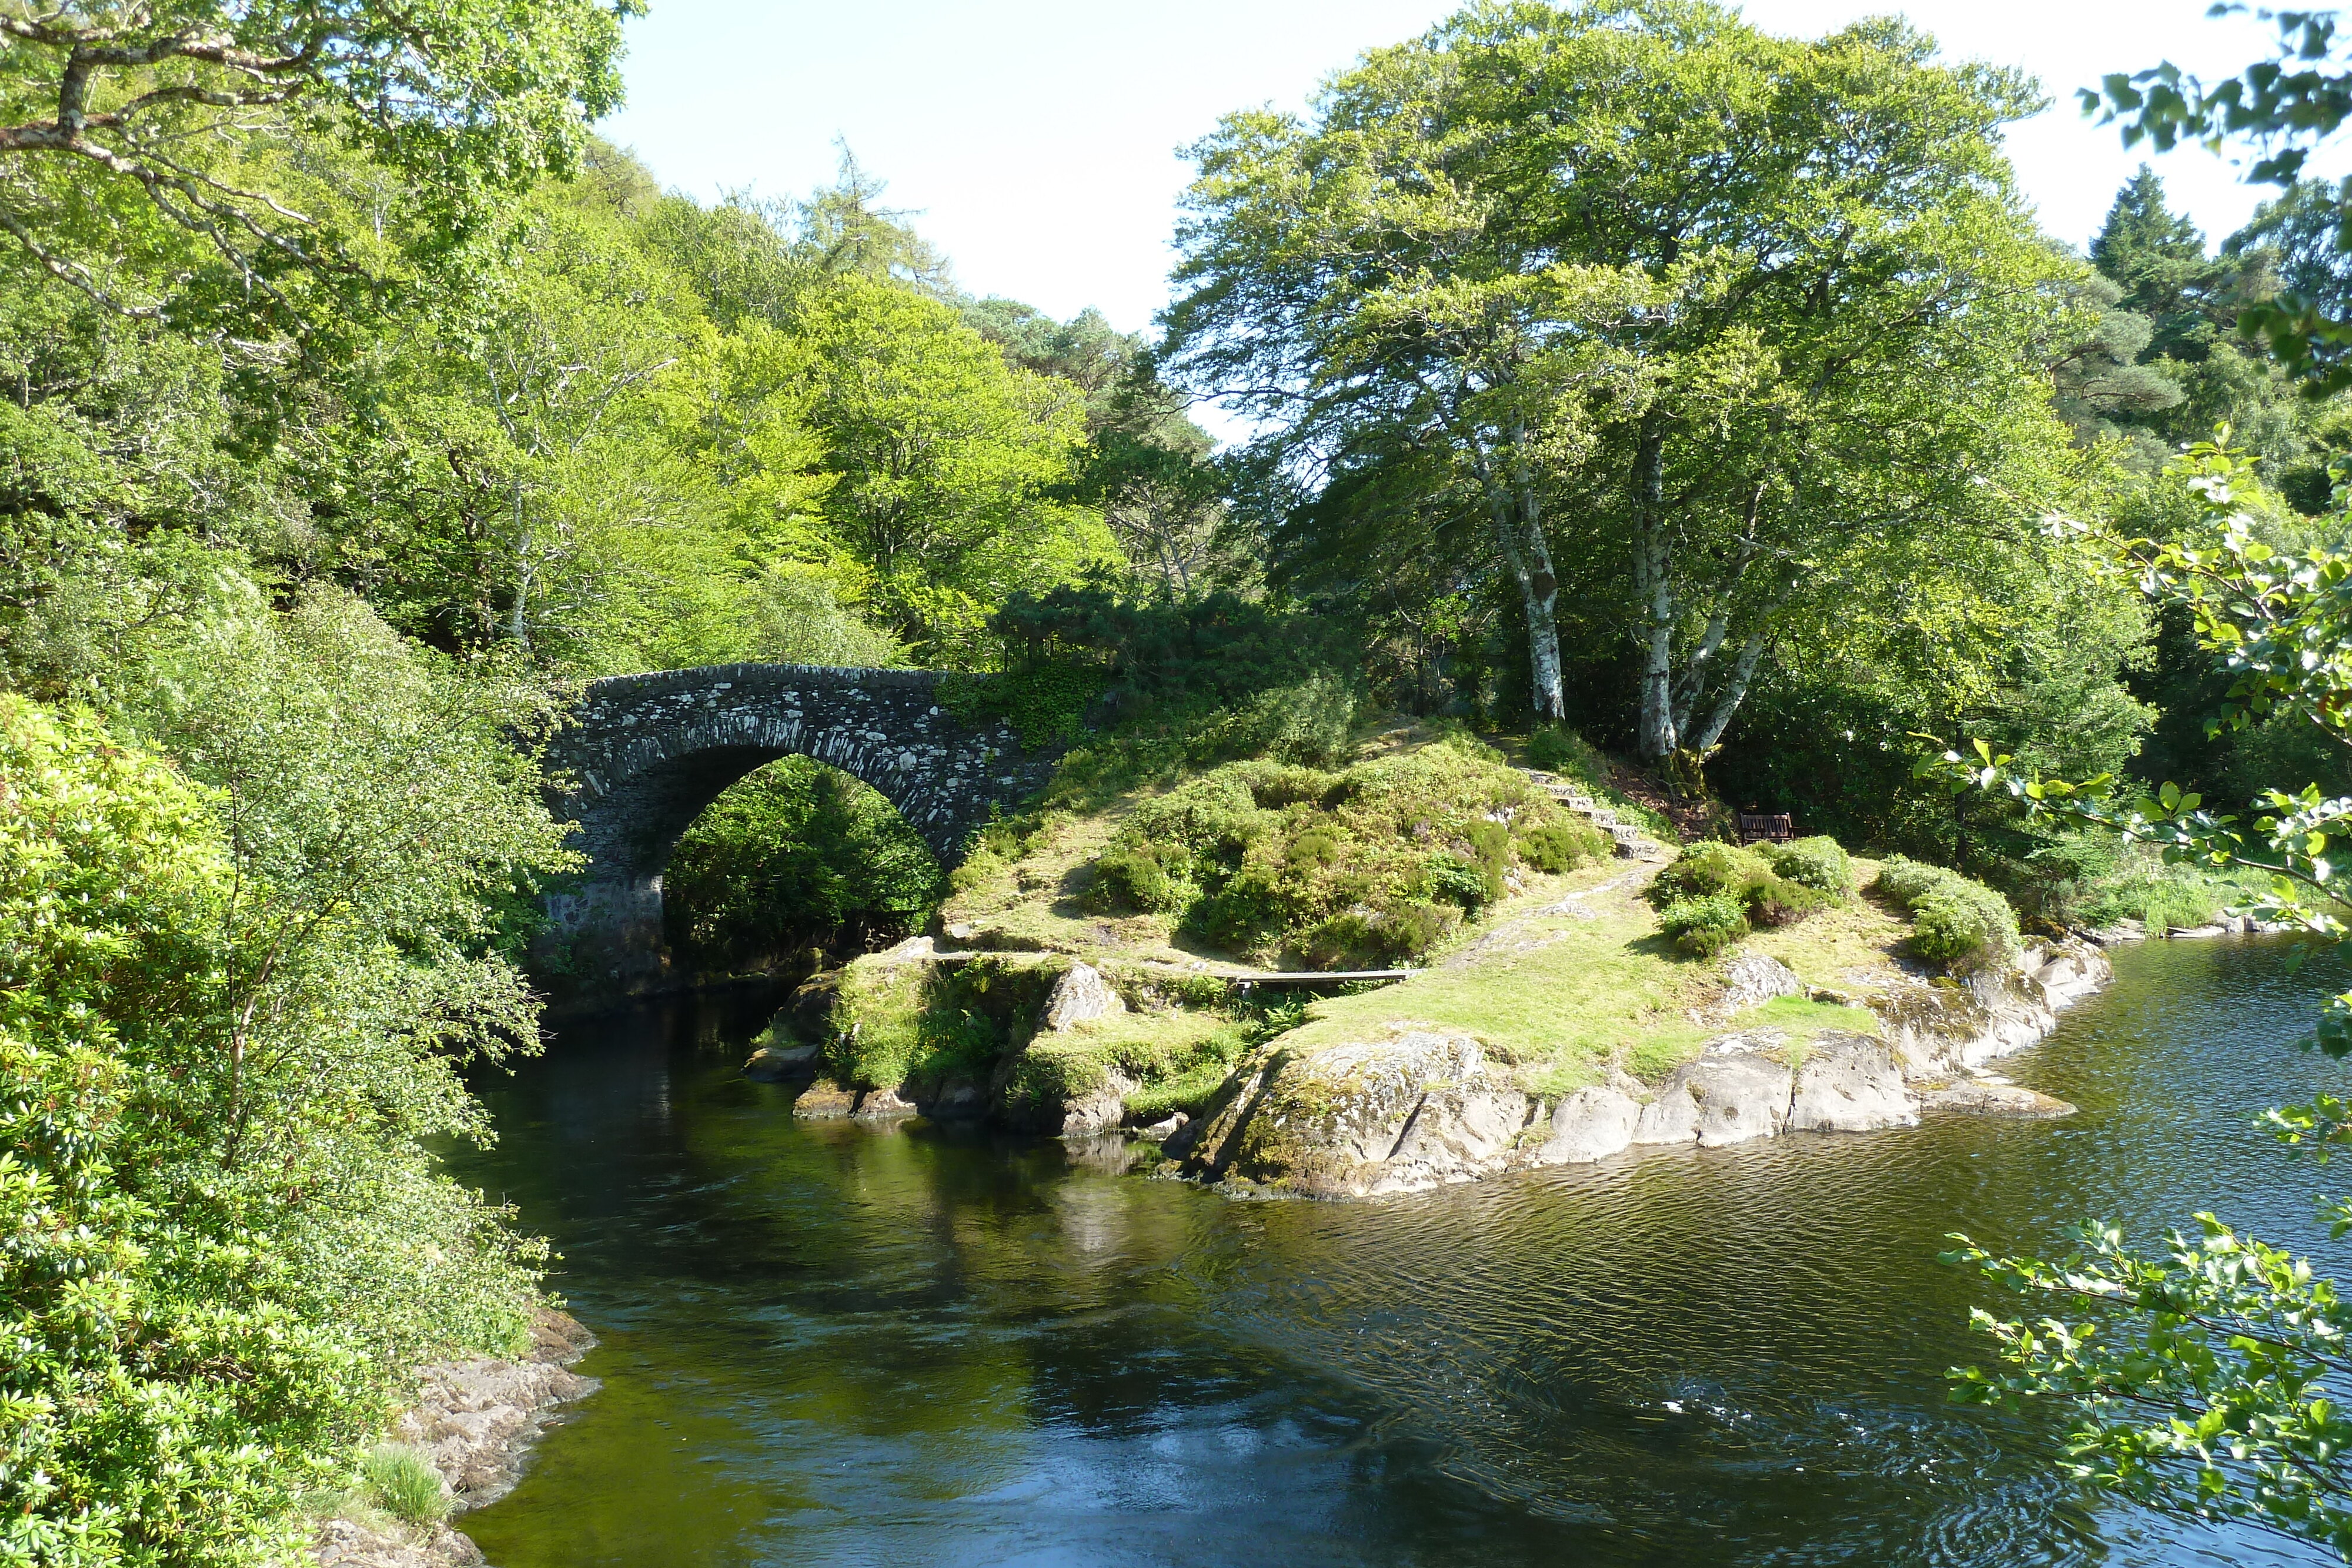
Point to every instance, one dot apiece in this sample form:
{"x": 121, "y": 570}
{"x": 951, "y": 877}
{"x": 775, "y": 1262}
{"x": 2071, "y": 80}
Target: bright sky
{"x": 1036, "y": 140}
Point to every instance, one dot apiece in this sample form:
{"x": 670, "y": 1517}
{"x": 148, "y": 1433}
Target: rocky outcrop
{"x": 777, "y": 1063}
{"x": 1419, "y": 1108}
{"x": 822, "y": 1099}
{"x": 1850, "y": 1084}
{"x": 1411, "y": 1112}
{"x": 1080, "y": 995}
{"x": 1057, "y": 1082}
{"x": 1590, "y": 1124}
{"x": 1720, "y": 1099}
{"x": 1750, "y": 978}
{"x": 1992, "y": 1097}
{"x": 1941, "y": 1028}
{"x": 348, "y": 1543}
{"x": 474, "y": 1420}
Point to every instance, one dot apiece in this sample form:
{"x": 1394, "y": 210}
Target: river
{"x": 830, "y": 1344}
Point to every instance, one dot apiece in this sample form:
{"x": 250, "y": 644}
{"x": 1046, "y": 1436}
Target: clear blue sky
{"x": 1037, "y": 139}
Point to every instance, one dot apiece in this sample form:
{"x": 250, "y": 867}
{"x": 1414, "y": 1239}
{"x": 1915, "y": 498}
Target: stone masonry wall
{"x": 649, "y": 752}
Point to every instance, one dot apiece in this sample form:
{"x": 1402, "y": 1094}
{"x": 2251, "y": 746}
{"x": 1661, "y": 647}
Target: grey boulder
{"x": 1850, "y": 1084}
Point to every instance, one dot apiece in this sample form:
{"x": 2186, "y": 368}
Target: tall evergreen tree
{"x": 2157, "y": 258}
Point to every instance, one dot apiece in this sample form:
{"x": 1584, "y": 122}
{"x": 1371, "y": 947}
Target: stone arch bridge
{"x": 646, "y": 754}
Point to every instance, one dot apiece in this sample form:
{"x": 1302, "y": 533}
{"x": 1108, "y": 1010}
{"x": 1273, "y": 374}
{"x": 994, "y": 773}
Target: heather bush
{"x": 1705, "y": 926}
{"x": 1816, "y": 862}
{"x": 1958, "y": 923}
{"x": 1369, "y": 865}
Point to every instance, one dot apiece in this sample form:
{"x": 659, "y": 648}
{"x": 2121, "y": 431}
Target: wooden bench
{"x": 1772, "y": 828}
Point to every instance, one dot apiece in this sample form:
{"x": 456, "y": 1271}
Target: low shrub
{"x": 1705, "y": 926}
{"x": 1556, "y": 748}
{"x": 1462, "y": 882}
{"x": 1781, "y": 901}
{"x": 1140, "y": 880}
{"x": 403, "y": 1483}
{"x": 1378, "y": 938}
{"x": 1490, "y": 848}
{"x": 1749, "y": 879}
{"x": 1364, "y": 867}
{"x": 1957, "y": 923}
{"x": 1815, "y": 863}
{"x": 1562, "y": 846}
{"x": 1705, "y": 869}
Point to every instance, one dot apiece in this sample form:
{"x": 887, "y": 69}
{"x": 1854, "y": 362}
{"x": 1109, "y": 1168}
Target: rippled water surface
{"x": 834, "y": 1344}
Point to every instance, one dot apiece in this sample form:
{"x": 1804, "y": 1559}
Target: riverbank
{"x": 914, "y": 1342}
{"x": 474, "y": 1421}
{"x": 1074, "y": 987}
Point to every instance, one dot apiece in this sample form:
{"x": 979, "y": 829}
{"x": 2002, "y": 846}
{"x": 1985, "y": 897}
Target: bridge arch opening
{"x": 796, "y": 865}
{"x": 647, "y": 755}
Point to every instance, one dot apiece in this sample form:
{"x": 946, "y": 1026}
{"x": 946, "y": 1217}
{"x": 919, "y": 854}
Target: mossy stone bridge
{"x": 646, "y": 754}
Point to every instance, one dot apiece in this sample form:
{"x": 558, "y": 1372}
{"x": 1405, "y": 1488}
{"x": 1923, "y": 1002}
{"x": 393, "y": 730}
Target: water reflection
{"x": 830, "y": 1344}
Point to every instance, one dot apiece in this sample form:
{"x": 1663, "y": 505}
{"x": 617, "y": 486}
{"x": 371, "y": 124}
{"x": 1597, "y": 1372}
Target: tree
{"x": 2286, "y": 105}
{"x": 949, "y": 464}
{"x": 2295, "y": 237}
{"x": 182, "y": 108}
{"x": 237, "y": 990}
{"x": 2158, "y": 260}
{"x": 2204, "y": 1381}
{"x": 1146, "y": 464}
{"x": 1718, "y": 323}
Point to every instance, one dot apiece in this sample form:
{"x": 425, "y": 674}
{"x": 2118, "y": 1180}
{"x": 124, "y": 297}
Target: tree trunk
{"x": 1735, "y": 690}
{"x": 1518, "y": 529}
{"x": 1653, "y": 581}
{"x": 1541, "y": 591}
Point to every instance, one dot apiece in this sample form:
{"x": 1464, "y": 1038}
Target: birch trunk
{"x": 1518, "y": 529}
{"x": 1654, "y": 582}
{"x": 1735, "y": 690}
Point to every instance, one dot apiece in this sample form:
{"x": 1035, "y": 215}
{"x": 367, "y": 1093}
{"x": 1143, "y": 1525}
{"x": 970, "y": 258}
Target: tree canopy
{"x": 1718, "y": 328}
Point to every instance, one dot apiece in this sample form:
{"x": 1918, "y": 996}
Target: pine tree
{"x": 2158, "y": 260}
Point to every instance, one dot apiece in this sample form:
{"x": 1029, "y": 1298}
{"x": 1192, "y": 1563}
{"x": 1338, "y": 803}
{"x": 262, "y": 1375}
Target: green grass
{"x": 1561, "y": 999}
{"x": 2161, "y": 896}
{"x": 403, "y": 1482}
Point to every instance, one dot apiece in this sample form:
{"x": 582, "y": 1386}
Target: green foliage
{"x": 1817, "y": 862}
{"x": 2110, "y": 883}
{"x": 2299, "y": 95}
{"x": 1138, "y": 880}
{"x": 1709, "y": 868}
{"x": 231, "y": 1006}
{"x": 1633, "y": 405}
{"x": 1961, "y": 924}
{"x": 116, "y": 127}
{"x": 403, "y": 1482}
{"x": 1218, "y": 647}
{"x": 1706, "y": 924}
{"x": 1562, "y": 846}
{"x": 2203, "y": 1381}
{"x": 1747, "y": 879}
{"x": 1556, "y": 748}
{"x": 1043, "y": 701}
{"x": 1373, "y": 864}
{"x": 792, "y": 856}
